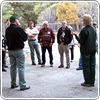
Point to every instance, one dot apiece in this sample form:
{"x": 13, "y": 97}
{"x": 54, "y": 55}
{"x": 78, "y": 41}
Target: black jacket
{"x": 67, "y": 37}
{"x": 15, "y": 37}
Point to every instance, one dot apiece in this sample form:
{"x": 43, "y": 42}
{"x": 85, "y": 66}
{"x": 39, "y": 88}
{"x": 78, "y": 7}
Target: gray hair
{"x": 87, "y": 19}
{"x": 45, "y": 22}
{"x": 64, "y": 21}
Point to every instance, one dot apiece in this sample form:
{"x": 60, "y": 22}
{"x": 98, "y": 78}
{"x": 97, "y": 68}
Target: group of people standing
{"x": 46, "y": 38}
{"x": 16, "y": 37}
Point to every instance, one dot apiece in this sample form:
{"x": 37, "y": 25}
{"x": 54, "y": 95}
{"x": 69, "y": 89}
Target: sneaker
{"x": 42, "y": 65}
{"x": 84, "y": 84}
{"x": 33, "y": 63}
{"x": 60, "y": 66}
{"x": 51, "y": 65}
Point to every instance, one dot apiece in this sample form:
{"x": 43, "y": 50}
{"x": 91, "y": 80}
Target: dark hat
{"x": 94, "y": 23}
{"x": 12, "y": 18}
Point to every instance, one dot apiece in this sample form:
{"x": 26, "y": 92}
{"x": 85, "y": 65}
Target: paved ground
{"x": 50, "y": 82}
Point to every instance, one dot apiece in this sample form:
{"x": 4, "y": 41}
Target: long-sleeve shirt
{"x": 87, "y": 40}
{"x": 31, "y": 31}
{"x": 46, "y": 36}
{"x": 15, "y": 37}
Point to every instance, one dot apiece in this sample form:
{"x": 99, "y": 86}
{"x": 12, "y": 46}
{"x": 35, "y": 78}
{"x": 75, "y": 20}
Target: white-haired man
{"x": 46, "y": 39}
{"x": 63, "y": 39}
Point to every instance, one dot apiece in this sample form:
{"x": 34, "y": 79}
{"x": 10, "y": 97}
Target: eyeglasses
{"x": 63, "y": 23}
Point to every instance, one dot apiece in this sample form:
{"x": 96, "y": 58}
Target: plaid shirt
{"x": 46, "y": 36}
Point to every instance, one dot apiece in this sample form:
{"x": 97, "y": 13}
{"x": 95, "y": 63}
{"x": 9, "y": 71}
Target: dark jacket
{"x": 15, "y": 37}
{"x": 87, "y": 40}
{"x": 67, "y": 37}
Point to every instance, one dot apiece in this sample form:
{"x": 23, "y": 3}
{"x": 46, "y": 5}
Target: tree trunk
{"x": 77, "y": 27}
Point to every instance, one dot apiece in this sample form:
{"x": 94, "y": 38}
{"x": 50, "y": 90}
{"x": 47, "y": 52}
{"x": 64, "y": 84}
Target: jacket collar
{"x": 13, "y": 25}
{"x": 65, "y": 28}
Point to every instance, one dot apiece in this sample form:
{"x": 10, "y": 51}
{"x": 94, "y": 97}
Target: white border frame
{"x": 50, "y": 1}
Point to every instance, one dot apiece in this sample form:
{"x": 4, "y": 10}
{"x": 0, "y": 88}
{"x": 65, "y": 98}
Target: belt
{"x": 32, "y": 40}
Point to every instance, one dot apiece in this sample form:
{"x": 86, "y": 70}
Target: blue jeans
{"x": 34, "y": 46}
{"x": 50, "y": 54}
{"x": 17, "y": 60}
{"x": 80, "y": 61}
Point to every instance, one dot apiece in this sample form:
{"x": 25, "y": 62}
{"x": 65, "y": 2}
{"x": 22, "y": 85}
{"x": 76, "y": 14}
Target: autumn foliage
{"x": 67, "y": 11}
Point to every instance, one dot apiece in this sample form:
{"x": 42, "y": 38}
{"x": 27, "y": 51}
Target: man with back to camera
{"x": 16, "y": 37}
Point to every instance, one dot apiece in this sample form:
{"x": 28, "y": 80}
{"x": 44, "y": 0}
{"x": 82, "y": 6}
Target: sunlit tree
{"x": 67, "y": 11}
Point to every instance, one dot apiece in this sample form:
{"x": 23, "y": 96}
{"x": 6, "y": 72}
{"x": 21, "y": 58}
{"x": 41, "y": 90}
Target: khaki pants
{"x": 64, "y": 48}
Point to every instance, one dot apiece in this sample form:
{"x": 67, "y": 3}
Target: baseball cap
{"x": 94, "y": 23}
{"x": 12, "y": 18}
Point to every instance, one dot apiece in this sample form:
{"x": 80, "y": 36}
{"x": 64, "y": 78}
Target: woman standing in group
{"x": 87, "y": 40}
